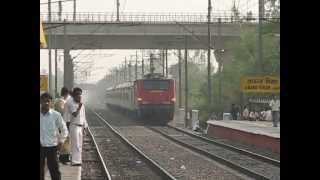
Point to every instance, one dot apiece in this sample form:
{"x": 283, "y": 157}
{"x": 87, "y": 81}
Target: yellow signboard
{"x": 43, "y": 42}
{"x": 43, "y": 82}
{"x": 260, "y": 84}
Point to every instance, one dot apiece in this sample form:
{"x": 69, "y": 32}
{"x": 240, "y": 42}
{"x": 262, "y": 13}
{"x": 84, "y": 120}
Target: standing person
{"x": 78, "y": 124}
{"x": 251, "y": 116}
{"x": 263, "y": 114}
{"x": 51, "y": 123}
{"x": 275, "y": 108}
{"x": 256, "y": 115}
{"x": 66, "y": 112}
{"x": 245, "y": 113}
{"x": 234, "y": 112}
{"x": 268, "y": 115}
{"x": 60, "y": 107}
{"x": 59, "y": 102}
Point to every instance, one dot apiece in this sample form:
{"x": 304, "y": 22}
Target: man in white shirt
{"x": 275, "y": 108}
{"x": 78, "y": 124}
{"x": 245, "y": 113}
{"x": 60, "y": 107}
{"x": 51, "y": 123}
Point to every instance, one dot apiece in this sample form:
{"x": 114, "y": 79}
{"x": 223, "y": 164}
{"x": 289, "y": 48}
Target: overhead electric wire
{"x": 55, "y": 2}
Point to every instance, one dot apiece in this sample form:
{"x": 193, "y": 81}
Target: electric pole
{"x": 218, "y": 55}
{"x": 186, "y": 109}
{"x": 136, "y": 67}
{"x": 166, "y": 62}
{"x": 129, "y": 71}
{"x": 49, "y": 49}
{"x": 60, "y": 10}
{"x": 125, "y": 69}
{"x": 151, "y": 64}
{"x": 56, "y": 51}
{"x": 118, "y": 5}
{"x": 163, "y": 63}
{"x": 209, "y": 55}
{"x": 142, "y": 66}
{"x": 260, "y": 51}
{"x": 74, "y": 9}
{"x": 180, "y": 89}
{"x": 56, "y": 72}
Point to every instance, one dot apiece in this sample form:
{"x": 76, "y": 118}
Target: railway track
{"x": 93, "y": 166}
{"x": 230, "y": 147}
{"x": 180, "y": 161}
{"x": 123, "y": 159}
{"x": 251, "y": 164}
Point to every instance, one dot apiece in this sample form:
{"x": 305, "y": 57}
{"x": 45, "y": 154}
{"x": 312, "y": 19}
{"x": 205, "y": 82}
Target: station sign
{"x": 44, "y": 83}
{"x": 260, "y": 84}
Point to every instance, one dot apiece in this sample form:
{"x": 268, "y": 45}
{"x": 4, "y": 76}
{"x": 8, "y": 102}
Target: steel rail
{"x": 100, "y": 156}
{"x": 161, "y": 171}
{"x": 232, "y": 148}
{"x": 222, "y": 160}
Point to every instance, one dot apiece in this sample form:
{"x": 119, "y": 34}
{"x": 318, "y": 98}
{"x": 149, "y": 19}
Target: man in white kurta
{"x": 78, "y": 124}
{"x": 275, "y": 108}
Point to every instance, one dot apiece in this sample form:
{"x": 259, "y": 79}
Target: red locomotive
{"x": 150, "y": 98}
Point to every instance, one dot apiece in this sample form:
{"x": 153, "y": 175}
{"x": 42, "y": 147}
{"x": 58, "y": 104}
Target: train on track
{"x": 151, "y": 98}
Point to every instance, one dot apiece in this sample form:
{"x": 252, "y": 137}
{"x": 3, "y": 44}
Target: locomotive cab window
{"x": 156, "y": 85}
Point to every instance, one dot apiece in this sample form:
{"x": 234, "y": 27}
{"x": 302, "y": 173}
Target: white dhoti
{"x": 76, "y": 139}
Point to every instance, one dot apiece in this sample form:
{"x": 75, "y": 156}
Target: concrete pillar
{"x": 68, "y": 70}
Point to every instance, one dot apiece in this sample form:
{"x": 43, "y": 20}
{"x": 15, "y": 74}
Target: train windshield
{"x": 156, "y": 85}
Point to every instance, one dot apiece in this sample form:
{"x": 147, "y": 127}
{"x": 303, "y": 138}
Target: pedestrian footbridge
{"x": 140, "y": 31}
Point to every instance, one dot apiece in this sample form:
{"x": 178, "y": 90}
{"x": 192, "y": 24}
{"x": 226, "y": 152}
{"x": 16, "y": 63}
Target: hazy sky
{"x": 117, "y": 56}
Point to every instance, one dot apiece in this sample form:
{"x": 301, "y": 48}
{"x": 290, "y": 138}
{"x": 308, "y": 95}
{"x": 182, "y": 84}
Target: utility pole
{"x": 129, "y": 71}
{"x": 260, "y": 51}
{"x": 151, "y": 64}
{"x": 166, "y": 62}
{"x": 49, "y": 10}
{"x": 209, "y": 55}
{"x": 180, "y": 88}
{"x": 163, "y": 63}
{"x": 60, "y": 10}
{"x": 74, "y": 9}
{"x": 136, "y": 67}
{"x": 117, "y": 76}
{"x": 118, "y": 6}
{"x": 56, "y": 60}
{"x": 49, "y": 49}
{"x": 125, "y": 69}
{"x": 56, "y": 72}
{"x": 186, "y": 108}
{"x": 218, "y": 55}
{"x": 142, "y": 66}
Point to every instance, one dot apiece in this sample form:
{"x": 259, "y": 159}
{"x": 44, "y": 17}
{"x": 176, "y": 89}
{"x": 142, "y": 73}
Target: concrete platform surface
{"x": 256, "y": 127}
{"x": 68, "y": 172}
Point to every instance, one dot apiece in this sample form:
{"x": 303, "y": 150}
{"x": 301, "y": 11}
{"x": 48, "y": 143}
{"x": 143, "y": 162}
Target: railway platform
{"x": 257, "y": 133}
{"x": 68, "y": 172}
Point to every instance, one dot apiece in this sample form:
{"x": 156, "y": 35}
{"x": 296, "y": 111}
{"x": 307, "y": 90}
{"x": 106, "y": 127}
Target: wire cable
{"x": 46, "y": 3}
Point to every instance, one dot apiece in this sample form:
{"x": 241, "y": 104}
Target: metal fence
{"x": 152, "y": 18}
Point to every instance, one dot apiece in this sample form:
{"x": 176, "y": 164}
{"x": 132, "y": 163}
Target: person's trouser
{"x": 52, "y": 162}
{"x": 65, "y": 151}
{"x": 76, "y": 138}
{"x": 275, "y": 117}
{"x": 234, "y": 116}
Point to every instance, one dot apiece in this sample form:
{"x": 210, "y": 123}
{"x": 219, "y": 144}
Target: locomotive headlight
{"x": 173, "y": 99}
{"x": 139, "y": 99}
